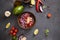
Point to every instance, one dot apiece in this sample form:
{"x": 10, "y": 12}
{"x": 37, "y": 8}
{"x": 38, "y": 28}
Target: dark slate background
{"x": 42, "y": 23}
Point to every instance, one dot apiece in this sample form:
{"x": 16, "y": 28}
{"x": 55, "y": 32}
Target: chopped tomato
{"x": 13, "y": 28}
{"x": 16, "y": 30}
{"x": 14, "y": 34}
{"x": 11, "y": 31}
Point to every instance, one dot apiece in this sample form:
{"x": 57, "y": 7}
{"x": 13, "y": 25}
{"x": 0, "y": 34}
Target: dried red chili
{"x": 49, "y": 15}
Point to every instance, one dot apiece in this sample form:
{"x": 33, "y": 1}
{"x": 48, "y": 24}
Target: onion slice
{"x": 41, "y": 9}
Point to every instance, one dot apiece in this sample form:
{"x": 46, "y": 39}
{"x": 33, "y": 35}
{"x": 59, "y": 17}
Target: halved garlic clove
{"x": 7, "y": 13}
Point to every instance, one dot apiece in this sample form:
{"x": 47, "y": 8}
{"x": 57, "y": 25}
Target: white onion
{"x": 7, "y": 13}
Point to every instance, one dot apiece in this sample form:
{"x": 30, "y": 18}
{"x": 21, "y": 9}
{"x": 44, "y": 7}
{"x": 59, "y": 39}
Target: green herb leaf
{"x": 46, "y": 32}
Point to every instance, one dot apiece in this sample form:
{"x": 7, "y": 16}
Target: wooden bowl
{"x": 25, "y": 25}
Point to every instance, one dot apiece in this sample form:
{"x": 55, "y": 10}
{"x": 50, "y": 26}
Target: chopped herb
{"x": 44, "y": 6}
{"x": 46, "y": 32}
{"x": 14, "y": 38}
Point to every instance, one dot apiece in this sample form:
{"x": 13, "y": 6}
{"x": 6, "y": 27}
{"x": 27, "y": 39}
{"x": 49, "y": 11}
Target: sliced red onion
{"x": 41, "y": 9}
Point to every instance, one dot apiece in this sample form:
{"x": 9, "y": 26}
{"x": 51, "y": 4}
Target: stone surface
{"x": 42, "y": 23}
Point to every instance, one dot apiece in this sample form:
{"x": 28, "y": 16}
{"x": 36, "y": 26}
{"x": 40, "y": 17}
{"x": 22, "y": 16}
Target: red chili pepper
{"x": 38, "y": 3}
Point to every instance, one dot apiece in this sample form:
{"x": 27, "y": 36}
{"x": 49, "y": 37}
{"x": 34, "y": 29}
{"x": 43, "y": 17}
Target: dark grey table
{"x": 42, "y": 23}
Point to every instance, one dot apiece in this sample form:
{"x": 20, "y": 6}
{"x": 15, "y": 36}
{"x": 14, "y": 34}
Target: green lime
{"x": 18, "y": 10}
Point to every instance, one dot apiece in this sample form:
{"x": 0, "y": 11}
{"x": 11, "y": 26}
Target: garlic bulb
{"x": 7, "y": 13}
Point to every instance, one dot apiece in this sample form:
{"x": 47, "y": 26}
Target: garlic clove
{"x": 36, "y": 31}
{"x": 8, "y": 25}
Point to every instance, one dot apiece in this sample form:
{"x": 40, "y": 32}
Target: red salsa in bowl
{"x": 26, "y": 20}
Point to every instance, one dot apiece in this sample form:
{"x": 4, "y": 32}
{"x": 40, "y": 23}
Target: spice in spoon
{"x": 22, "y": 37}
